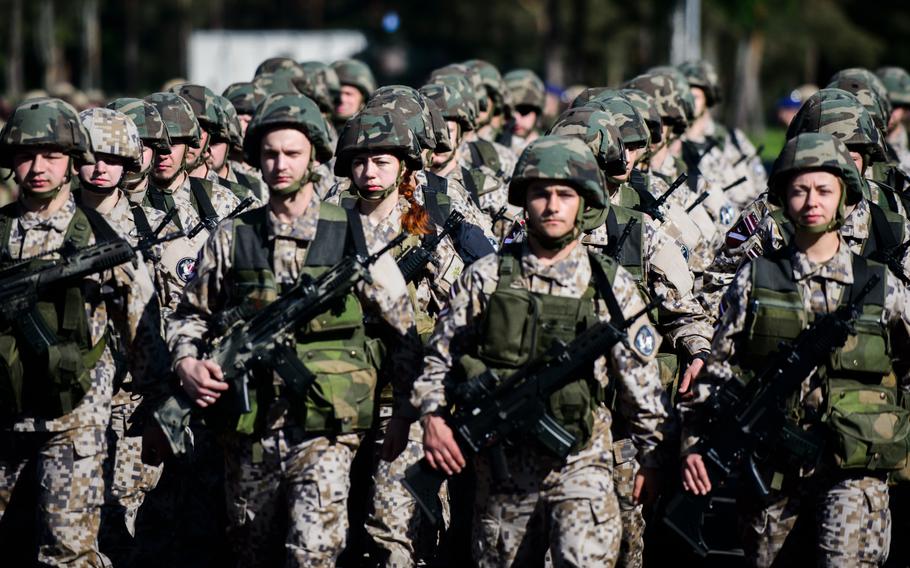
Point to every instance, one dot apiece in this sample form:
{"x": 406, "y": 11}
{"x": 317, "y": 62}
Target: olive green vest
{"x": 867, "y": 427}
{"x": 519, "y": 325}
{"x": 48, "y": 378}
{"x": 333, "y": 346}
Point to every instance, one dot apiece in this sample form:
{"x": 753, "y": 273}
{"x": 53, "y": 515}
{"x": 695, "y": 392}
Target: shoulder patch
{"x": 186, "y": 269}
{"x": 645, "y": 341}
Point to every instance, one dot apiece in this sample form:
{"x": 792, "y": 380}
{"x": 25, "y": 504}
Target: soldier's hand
{"x": 202, "y": 380}
{"x": 690, "y": 375}
{"x": 695, "y": 475}
{"x": 439, "y": 446}
{"x": 396, "y": 438}
{"x": 646, "y": 487}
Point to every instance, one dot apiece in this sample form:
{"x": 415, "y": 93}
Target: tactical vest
{"x": 630, "y": 256}
{"x": 200, "y": 199}
{"x": 436, "y": 199}
{"x": 333, "y": 346}
{"x": 47, "y": 377}
{"x": 251, "y": 182}
{"x": 519, "y": 325}
{"x": 238, "y": 189}
{"x": 483, "y": 152}
{"x": 867, "y": 427}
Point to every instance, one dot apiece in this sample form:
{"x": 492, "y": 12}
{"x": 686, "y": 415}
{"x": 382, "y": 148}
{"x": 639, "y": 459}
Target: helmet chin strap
{"x": 380, "y": 195}
{"x": 840, "y": 216}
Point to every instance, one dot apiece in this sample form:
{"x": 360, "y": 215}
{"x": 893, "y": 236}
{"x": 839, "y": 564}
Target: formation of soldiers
{"x": 314, "y": 322}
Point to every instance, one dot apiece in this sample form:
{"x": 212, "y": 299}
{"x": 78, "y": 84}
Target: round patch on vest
{"x": 726, "y": 215}
{"x": 685, "y": 251}
{"x": 186, "y": 269}
{"x": 644, "y": 341}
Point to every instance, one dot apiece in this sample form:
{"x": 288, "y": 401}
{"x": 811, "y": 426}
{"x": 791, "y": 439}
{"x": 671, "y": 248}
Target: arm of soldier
{"x": 442, "y": 272}
{"x": 896, "y": 317}
{"x": 223, "y": 200}
{"x": 188, "y": 326}
{"x": 905, "y": 262}
{"x": 462, "y": 203}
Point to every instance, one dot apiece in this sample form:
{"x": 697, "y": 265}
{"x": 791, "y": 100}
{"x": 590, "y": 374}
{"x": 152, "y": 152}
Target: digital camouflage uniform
{"x": 64, "y": 450}
{"x": 568, "y": 507}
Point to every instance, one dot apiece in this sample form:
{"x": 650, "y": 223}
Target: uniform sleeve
{"x": 187, "y": 327}
{"x": 897, "y": 319}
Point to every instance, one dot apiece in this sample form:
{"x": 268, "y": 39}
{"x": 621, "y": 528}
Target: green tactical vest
{"x": 868, "y": 429}
{"x": 519, "y": 325}
{"x": 48, "y": 378}
{"x": 333, "y": 346}
{"x": 200, "y": 199}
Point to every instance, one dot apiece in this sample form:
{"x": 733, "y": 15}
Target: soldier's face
{"x": 284, "y": 157}
{"x": 192, "y": 154}
{"x": 813, "y": 198}
{"x": 217, "y": 157}
{"x": 40, "y": 170}
{"x": 455, "y": 136}
{"x": 104, "y": 174}
{"x": 350, "y": 101}
{"x": 701, "y": 103}
{"x": 552, "y": 208}
{"x": 525, "y": 119}
{"x": 373, "y": 173}
{"x": 858, "y": 161}
{"x": 244, "y": 122}
{"x": 167, "y": 166}
{"x": 148, "y": 153}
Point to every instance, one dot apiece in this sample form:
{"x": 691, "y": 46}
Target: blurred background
{"x": 88, "y": 51}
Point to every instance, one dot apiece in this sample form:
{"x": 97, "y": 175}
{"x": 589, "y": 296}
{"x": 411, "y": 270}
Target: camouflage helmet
{"x": 320, "y": 83}
{"x": 701, "y": 74}
{"x": 810, "y": 151}
{"x": 897, "y": 81}
{"x": 273, "y": 64}
{"x": 840, "y": 114}
{"x": 562, "y": 159}
{"x": 114, "y": 134}
{"x": 202, "y": 101}
{"x": 380, "y": 130}
{"x": 632, "y": 126}
{"x": 244, "y": 96}
{"x": 670, "y": 104}
{"x": 356, "y": 74}
{"x": 682, "y": 87}
{"x": 586, "y": 95}
{"x": 451, "y": 104}
{"x": 228, "y": 123}
{"x": 48, "y": 123}
{"x": 178, "y": 117}
{"x": 424, "y": 119}
{"x": 493, "y": 82}
{"x": 597, "y": 130}
{"x": 869, "y": 89}
{"x": 281, "y": 81}
{"x": 526, "y": 88}
{"x": 477, "y": 92}
{"x": 285, "y": 110}
{"x": 148, "y": 122}
{"x": 646, "y": 106}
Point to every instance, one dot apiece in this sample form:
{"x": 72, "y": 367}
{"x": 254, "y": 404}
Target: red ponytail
{"x": 415, "y": 220}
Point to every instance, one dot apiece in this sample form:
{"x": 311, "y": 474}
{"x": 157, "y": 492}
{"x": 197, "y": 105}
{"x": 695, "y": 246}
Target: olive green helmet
{"x": 646, "y": 106}
{"x": 897, "y": 81}
{"x": 228, "y": 129}
{"x": 282, "y": 81}
{"x": 465, "y": 91}
{"x": 377, "y": 130}
{"x": 424, "y": 119}
{"x": 244, "y": 96}
{"x": 526, "y": 89}
{"x": 493, "y": 82}
{"x": 586, "y": 95}
{"x": 562, "y": 159}
{"x": 811, "y": 151}
{"x": 178, "y": 116}
{"x": 286, "y": 110}
{"x": 273, "y": 64}
{"x": 451, "y": 104}
{"x": 840, "y": 114}
{"x": 148, "y": 122}
{"x": 869, "y": 89}
{"x": 114, "y": 134}
{"x": 631, "y": 124}
{"x": 670, "y": 104}
{"x": 596, "y": 129}
{"x": 202, "y": 101}
{"x": 356, "y": 74}
{"x": 45, "y": 123}
{"x": 320, "y": 83}
{"x": 681, "y": 84}
{"x": 476, "y": 93}
{"x": 702, "y": 74}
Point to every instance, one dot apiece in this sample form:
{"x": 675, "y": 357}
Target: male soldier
{"x": 489, "y": 126}
{"x": 245, "y": 97}
{"x": 528, "y": 94}
{"x": 507, "y": 309}
{"x": 155, "y": 140}
{"x": 481, "y": 147}
{"x": 852, "y": 403}
{"x": 59, "y": 370}
{"x": 357, "y": 86}
{"x": 288, "y": 480}
{"x": 732, "y": 155}
{"x": 223, "y": 142}
{"x": 897, "y": 81}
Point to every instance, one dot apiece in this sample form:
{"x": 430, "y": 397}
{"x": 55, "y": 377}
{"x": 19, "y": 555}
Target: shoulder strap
{"x": 93, "y": 222}
{"x": 201, "y": 190}
{"x": 786, "y": 227}
{"x": 355, "y": 224}
{"x": 156, "y": 198}
{"x": 863, "y": 270}
{"x": 141, "y": 220}
{"x": 251, "y": 250}
{"x": 6, "y": 228}
{"x": 604, "y": 272}
{"x": 774, "y": 271}
{"x": 509, "y": 264}
{"x": 490, "y": 157}
{"x": 470, "y": 184}
{"x": 690, "y": 156}
{"x": 883, "y": 231}
{"x": 331, "y": 236}
{"x": 434, "y": 188}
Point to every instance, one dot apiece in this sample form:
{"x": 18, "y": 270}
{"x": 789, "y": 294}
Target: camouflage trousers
{"x": 569, "y": 508}
{"x": 849, "y": 517}
{"x": 398, "y": 528}
{"x": 64, "y": 470}
{"x": 287, "y": 497}
{"x": 625, "y": 467}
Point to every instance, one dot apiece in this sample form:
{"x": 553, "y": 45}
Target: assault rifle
{"x": 893, "y": 258}
{"x": 147, "y": 242}
{"x": 652, "y": 208}
{"x": 488, "y": 411}
{"x": 744, "y": 157}
{"x": 415, "y": 259}
{"x": 704, "y": 195}
{"x": 256, "y": 340}
{"x": 614, "y": 250}
{"x": 748, "y": 423}
{"x": 210, "y": 224}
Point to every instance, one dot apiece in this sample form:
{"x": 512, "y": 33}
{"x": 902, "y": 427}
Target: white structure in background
{"x": 685, "y": 43}
{"x": 218, "y": 58}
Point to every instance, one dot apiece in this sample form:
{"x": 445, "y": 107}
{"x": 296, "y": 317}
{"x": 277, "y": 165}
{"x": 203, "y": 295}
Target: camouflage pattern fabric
{"x": 897, "y": 83}
{"x": 453, "y": 73}
{"x": 178, "y": 117}
{"x": 646, "y": 105}
{"x": 228, "y": 126}
{"x": 287, "y": 111}
{"x": 559, "y": 158}
{"x": 49, "y": 123}
{"x": 495, "y": 85}
{"x": 670, "y": 102}
{"x": 840, "y": 114}
{"x": 625, "y": 468}
{"x": 377, "y": 130}
{"x": 597, "y": 129}
{"x": 244, "y": 96}
{"x": 424, "y": 119}
{"x": 701, "y": 74}
{"x": 869, "y": 89}
{"x": 451, "y": 103}
{"x": 525, "y": 88}
{"x": 274, "y": 64}
{"x": 632, "y": 126}
{"x": 202, "y": 101}
{"x": 357, "y": 74}
{"x": 321, "y": 83}
{"x": 114, "y": 134}
{"x": 147, "y": 120}
{"x": 282, "y": 81}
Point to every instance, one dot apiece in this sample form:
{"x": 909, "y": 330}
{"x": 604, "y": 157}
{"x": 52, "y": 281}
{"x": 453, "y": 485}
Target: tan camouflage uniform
{"x": 569, "y": 507}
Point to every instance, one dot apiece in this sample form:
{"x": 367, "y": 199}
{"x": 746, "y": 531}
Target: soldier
{"x": 224, "y": 141}
{"x": 357, "y": 86}
{"x": 155, "y": 140}
{"x": 490, "y": 126}
{"x": 897, "y": 81}
{"x": 58, "y": 384}
{"x": 852, "y": 401}
{"x": 568, "y": 507}
{"x": 245, "y": 97}
{"x": 295, "y": 464}
{"x": 527, "y": 94}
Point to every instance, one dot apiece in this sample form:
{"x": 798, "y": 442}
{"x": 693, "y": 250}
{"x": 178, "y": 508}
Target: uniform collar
{"x": 561, "y": 272}
{"x": 302, "y": 228}
{"x": 839, "y": 268}
{"x": 59, "y": 221}
{"x": 856, "y": 225}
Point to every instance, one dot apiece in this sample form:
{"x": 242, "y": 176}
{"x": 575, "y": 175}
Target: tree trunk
{"x": 47, "y": 47}
{"x": 91, "y": 46}
{"x": 14, "y": 79}
{"x": 554, "y": 48}
{"x": 749, "y": 115}
{"x": 131, "y": 56}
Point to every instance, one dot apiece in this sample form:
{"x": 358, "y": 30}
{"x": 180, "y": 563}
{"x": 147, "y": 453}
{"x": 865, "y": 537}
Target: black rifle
{"x": 258, "y": 340}
{"x": 614, "y": 250}
{"x": 748, "y": 423}
{"x": 146, "y": 242}
{"x": 744, "y": 157}
{"x": 704, "y": 195}
{"x": 893, "y": 258}
{"x": 210, "y": 224}
{"x": 488, "y": 411}
{"x": 415, "y": 259}
{"x": 652, "y": 208}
